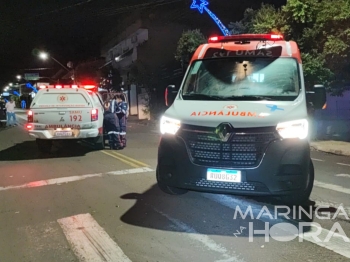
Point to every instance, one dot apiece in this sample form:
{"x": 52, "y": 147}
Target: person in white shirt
{"x": 10, "y": 110}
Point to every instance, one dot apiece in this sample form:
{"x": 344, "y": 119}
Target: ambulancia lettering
{"x": 226, "y": 113}
{"x": 62, "y": 126}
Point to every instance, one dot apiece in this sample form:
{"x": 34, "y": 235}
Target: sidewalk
{"x": 333, "y": 147}
{"x": 144, "y": 122}
{"x": 20, "y": 110}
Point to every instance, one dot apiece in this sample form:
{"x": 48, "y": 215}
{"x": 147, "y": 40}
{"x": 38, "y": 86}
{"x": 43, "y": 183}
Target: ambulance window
{"x": 275, "y": 78}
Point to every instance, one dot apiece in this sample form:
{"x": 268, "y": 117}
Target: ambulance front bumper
{"x": 283, "y": 169}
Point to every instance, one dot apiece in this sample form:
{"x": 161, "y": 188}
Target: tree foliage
{"x": 320, "y": 27}
{"x": 187, "y": 44}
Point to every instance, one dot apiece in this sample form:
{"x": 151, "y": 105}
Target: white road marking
{"x": 315, "y": 159}
{"x": 343, "y": 175}
{"x": 204, "y": 239}
{"x": 332, "y": 187}
{"x": 334, "y": 205}
{"x": 342, "y": 164}
{"x": 61, "y": 180}
{"x": 336, "y": 243}
{"x": 89, "y": 241}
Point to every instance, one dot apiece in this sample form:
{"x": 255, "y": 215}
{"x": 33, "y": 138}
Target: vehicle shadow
{"x": 215, "y": 214}
{"x": 28, "y": 150}
{"x": 3, "y": 127}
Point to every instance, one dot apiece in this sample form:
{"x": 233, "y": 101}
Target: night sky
{"x": 72, "y": 29}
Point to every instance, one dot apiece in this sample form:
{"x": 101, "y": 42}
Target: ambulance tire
{"x": 302, "y": 197}
{"x": 44, "y": 145}
{"x": 99, "y": 143}
{"x": 169, "y": 189}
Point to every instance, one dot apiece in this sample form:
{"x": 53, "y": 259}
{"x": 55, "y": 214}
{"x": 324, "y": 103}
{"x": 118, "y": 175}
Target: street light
{"x": 18, "y": 77}
{"x": 45, "y": 56}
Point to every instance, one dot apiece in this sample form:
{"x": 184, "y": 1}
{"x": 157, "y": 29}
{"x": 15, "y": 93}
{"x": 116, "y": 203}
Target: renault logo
{"x": 224, "y": 131}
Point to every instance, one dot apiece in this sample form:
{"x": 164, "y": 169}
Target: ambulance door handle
{"x": 62, "y": 113}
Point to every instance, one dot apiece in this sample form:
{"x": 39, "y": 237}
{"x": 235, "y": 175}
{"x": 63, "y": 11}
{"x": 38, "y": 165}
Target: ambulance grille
{"x": 244, "y": 186}
{"x": 244, "y": 149}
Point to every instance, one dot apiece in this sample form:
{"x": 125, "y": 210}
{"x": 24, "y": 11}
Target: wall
{"x": 334, "y": 121}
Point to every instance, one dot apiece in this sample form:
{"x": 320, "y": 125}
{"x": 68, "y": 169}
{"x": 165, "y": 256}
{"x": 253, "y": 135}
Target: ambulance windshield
{"x": 236, "y": 78}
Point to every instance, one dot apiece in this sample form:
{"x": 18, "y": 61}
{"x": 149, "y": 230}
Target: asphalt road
{"x": 77, "y": 204}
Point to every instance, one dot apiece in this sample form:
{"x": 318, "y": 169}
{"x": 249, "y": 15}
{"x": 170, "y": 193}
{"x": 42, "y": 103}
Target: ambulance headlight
{"x": 169, "y": 125}
{"x": 294, "y": 129}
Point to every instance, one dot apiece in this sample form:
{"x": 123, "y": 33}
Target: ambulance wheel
{"x": 169, "y": 189}
{"x": 303, "y": 196}
{"x": 100, "y": 143}
{"x": 44, "y": 145}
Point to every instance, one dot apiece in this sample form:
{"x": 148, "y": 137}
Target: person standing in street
{"x": 111, "y": 128}
{"x": 11, "y": 116}
{"x": 122, "y": 113}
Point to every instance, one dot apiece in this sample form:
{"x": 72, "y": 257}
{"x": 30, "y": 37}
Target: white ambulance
{"x": 239, "y": 123}
{"x": 62, "y": 112}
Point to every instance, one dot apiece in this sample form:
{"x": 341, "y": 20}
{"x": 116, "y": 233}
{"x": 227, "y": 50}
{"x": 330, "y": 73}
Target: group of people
{"x": 114, "y": 122}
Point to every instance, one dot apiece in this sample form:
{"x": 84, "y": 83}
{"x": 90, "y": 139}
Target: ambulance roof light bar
{"x": 246, "y": 37}
{"x": 87, "y": 87}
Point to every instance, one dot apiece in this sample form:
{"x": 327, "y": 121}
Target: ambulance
{"x": 239, "y": 122}
{"x": 66, "y": 112}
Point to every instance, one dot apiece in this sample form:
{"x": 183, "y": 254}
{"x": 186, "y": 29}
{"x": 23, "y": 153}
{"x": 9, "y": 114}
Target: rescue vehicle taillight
{"x": 245, "y": 37}
{"x": 29, "y": 126}
{"x": 94, "y": 115}
{"x": 30, "y": 117}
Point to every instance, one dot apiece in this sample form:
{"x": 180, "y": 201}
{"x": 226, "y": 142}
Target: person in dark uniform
{"x": 122, "y": 112}
{"x": 111, "y": 128}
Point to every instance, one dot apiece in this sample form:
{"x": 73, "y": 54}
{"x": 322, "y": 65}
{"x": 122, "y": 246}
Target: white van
{"x": 239, "y": 124}
{"x": 66, "y": 112}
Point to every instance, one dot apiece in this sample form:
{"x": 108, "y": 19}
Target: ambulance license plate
{"x": 233, "y": 176}
{"x": 63, "y": 133}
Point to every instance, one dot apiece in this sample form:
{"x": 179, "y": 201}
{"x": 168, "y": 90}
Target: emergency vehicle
{"x": 62, "y": 112}
{"x": 238, "y": 124}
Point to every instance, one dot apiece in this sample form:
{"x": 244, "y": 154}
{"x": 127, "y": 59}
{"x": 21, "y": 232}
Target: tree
{"x": 187, "y": 45}
{"x": 320, "y": 27}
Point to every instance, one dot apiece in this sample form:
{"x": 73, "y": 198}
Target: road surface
{"x": 77, "y": 204}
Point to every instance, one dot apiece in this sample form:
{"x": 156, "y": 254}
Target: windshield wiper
{"x": 249, "y": 98}
{"x": 203, "y": 96}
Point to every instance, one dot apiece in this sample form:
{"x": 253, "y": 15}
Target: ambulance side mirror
{"x": 317, "y": 96}
{"x": 170, "y": 95}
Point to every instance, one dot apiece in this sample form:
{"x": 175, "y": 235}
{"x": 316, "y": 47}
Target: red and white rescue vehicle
{"x": 239, "y": 122}
{"x": 62, "y": 112}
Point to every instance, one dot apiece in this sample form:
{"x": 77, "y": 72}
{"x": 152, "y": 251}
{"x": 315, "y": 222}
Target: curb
{"x": 338, "y": 152}
{"x": 144, "y": 123}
